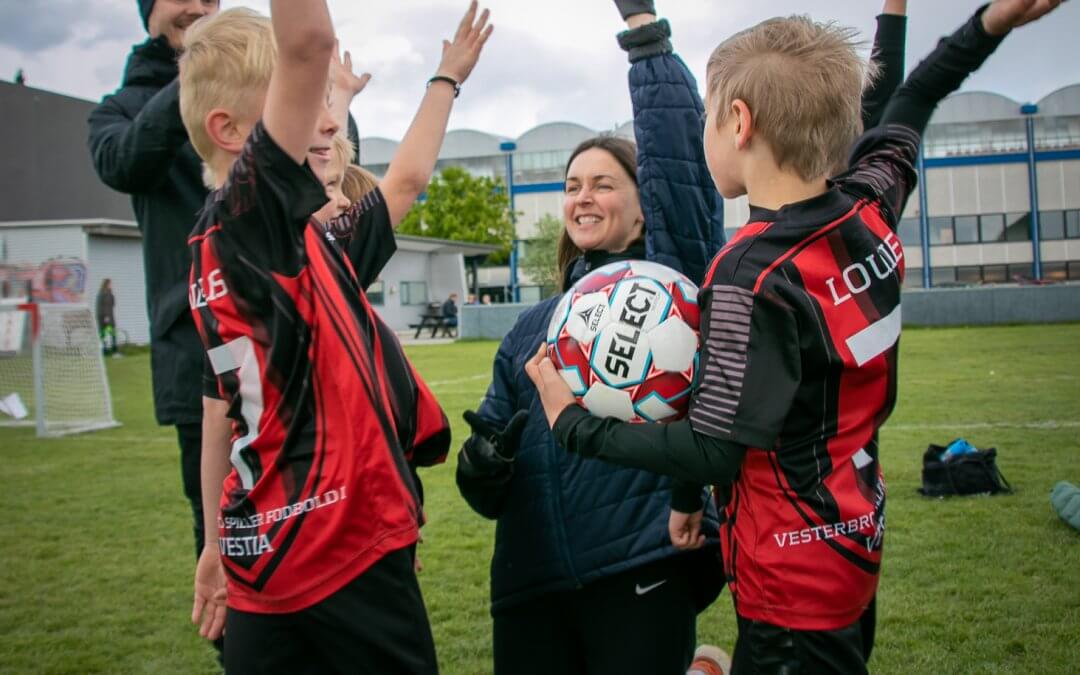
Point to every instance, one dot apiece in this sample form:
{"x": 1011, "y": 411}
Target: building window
{"x": 1019, "y": 272}
{"x": 910, "y": 232}
{"x": 970, "y": 274}
{"x": 1055, "y": 271}
{"x": 992, "y": 227}
{"x": 941, "y": 231}
{"x": 995, "y": 274}
{"x": 1051, "y": 225}
{"x": 1072, "y": 224}
{"x": 967, "y": 229}
{"x": 414, "y": 293}
{"x": 1074, "y": 269}
{"x": 913, "y": 277}
{"x": 1018, "y": 227}
{"x": 942, "y": 276}
{"x": 375, "y": 293}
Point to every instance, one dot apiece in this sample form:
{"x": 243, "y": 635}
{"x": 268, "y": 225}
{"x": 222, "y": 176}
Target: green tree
{"x": 464, "y": 207}
{"x": 539, "y": 261}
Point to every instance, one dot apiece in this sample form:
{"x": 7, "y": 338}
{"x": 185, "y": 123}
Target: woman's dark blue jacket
{"x": 563, "y": 520}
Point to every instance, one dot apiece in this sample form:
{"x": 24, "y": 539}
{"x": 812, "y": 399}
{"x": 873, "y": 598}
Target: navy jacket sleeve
{"x": 486, "y": 493}
{"x": 133, "y": 153}
{"x": 684, "y": 214}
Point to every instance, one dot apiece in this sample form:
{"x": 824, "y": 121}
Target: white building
{"x": 52, "y": 205}
{"x": 991, "y": 207}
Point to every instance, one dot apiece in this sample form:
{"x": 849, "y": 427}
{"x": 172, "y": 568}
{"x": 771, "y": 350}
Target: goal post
{"x": 52, "y": 372}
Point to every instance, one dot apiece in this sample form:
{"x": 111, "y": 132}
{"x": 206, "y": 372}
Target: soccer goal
{"x": 52, "y": 374}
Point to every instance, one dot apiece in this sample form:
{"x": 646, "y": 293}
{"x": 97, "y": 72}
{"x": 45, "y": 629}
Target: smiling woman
{"x": 582, "y": 552}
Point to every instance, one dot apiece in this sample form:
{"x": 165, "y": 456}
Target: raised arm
{"x": 414, "y": 161}
{"x": 132, "y": 154}
{"x": 684, "y": 214}
{"x": 297, "y": 94}
{"x": 888, "y": 52}
{"x": 882, "y": 165}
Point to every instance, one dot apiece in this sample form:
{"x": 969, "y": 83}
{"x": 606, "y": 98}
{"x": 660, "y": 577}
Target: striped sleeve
{"x": 883, "y": 168}
{"x": 750, "y": 367}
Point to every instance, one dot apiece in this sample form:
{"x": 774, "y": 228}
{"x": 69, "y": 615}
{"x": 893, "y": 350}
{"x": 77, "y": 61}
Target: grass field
{"x": 97, "y": 552}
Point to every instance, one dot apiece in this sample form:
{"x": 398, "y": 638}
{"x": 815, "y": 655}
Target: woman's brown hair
{"x": 625, "y": 153}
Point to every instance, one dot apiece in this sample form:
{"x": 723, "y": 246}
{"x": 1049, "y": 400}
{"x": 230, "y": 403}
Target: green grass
{"x": 97, "y": 554}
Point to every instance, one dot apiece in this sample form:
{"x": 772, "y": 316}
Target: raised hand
{"x": 1004, "y": 15}
{"x": 459, "y": 56}
{"x": 342, "y": 77}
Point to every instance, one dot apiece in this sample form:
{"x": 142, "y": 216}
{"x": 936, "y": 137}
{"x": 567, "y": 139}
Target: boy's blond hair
{"x": 357, "y": 182}
{"x": 803, "y": 83}
{"x": 226, "y": 63}
{"x": 341, "y": 151}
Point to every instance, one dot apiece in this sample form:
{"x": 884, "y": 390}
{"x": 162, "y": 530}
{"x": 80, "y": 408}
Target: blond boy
{"x": 317, "y": 512}
{"x": 800, "y": 327}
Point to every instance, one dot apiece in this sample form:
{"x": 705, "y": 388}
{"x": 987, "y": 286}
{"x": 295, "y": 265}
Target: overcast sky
{"x": 548, "y": 60}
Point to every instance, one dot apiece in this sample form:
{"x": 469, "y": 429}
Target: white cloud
{"x": 547, "y": 61}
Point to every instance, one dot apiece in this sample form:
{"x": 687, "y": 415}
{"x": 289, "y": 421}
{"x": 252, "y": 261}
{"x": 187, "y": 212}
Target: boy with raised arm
{"x": 800, "y": 327}
{"x": 318, "y": 511}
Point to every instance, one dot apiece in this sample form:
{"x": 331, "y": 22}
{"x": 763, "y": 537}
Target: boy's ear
{"x": 223, "y": 131}
{"x": 743, "y": 121}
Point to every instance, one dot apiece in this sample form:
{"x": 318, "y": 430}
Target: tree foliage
{"x": 464, "y": 207}
{"x": 540, "y": 260}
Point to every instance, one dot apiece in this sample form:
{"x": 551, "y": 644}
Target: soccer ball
{"x": 625, "y": 338}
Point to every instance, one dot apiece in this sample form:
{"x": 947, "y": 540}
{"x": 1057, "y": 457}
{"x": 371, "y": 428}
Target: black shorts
{"x": 375, "y": 624}
{"x": 639, "y": 621}
{"x": 764, "y": 649}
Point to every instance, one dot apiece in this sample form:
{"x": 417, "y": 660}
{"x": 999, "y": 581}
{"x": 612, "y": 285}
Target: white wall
{"x": 404, "y": 266}
{"x": 38, "y": 244}
{"x": 120, "y": 259}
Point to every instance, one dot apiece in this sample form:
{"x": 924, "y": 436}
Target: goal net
{"x": 52, "y": 374}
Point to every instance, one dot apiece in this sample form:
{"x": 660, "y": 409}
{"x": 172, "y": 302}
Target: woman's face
{"x": 601, "y": 210}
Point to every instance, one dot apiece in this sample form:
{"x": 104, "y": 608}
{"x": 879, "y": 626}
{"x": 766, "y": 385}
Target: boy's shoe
{"x": 710, "y": 660}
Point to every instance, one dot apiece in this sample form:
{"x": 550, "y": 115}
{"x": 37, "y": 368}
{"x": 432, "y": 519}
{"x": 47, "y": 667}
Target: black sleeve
{"x": 672, "y": 449}
{"x": 367, "y": 236}
{"x": 941, "y": 73}
{"x": 883, "y": 160}
{"x": 687, "y": 496}
{"x": 484, "y": 491}
{"x": 888, "y": 53}
{"x": 132, "y": 155}
{"x": 266, "y": 203}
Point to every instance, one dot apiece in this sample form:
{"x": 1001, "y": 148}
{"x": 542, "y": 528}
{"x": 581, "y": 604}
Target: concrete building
{"x": 998, "y": 199}
{"x": 52, "y": 205}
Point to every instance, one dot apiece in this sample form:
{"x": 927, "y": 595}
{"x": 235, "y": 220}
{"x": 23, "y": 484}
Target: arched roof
{"x": 461, "y": 143}
{"x": 553, "y": 136}
{"x": 975, "y": 106}
{"x": 377, "y": 150}
{"x": 625, "y": 130}
{"x": 1064, "y": 101}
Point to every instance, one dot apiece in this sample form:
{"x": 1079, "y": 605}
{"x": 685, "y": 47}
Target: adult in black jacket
{"x": 139, "y": 147}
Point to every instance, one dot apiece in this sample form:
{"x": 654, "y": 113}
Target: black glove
{"x": 491, "y": 450}
{"x": 628, "y": 8}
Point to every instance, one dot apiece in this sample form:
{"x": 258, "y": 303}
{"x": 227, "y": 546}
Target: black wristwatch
{"x": 451, "y": 81}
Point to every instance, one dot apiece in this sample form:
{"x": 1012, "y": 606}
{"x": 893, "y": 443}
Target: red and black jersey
{"x": 800, "y": 328}
{"x": 327, "y": 411}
